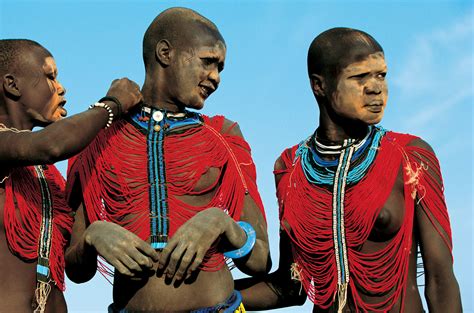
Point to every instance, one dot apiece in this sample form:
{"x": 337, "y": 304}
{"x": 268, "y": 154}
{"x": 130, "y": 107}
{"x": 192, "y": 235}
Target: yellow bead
{"x": 157, "y": 128}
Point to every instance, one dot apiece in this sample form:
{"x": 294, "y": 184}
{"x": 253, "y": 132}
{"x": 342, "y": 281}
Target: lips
{"x": 376, "y": 102}
{"x": 375, "y": 106}
{"x": 61, "y": 108}
{"x": 206, "y": 90}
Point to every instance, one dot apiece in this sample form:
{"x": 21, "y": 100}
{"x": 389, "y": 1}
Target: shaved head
{"x": 180, "y": 26}
{"x": 333, "y": 50}
{"x": 14, "y": 52}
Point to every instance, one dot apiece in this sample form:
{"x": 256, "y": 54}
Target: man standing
{"x": 357, "y": 201}
{"x": 160, "y": 192}
{"x": 35, "y": 220}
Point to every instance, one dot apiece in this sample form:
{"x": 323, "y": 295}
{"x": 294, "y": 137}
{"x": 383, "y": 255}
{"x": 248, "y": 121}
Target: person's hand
{"x": 122, "y": 249}
{"x": 127, "y": 92}
{"x": 185, "y": 251}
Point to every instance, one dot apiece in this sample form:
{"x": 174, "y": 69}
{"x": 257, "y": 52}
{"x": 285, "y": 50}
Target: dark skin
{"x": 36, "y": 98}
{"x": 184, "y": 76}
{"x": 356, "y": 101}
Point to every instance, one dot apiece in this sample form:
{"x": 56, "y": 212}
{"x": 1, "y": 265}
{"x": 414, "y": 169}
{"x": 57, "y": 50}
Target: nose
{"x": 61, "y": 89}
{"x": 374, "y": 86}
{"x": 214, "y": 77}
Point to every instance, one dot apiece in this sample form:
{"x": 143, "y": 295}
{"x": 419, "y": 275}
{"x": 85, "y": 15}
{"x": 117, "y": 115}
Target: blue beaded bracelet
{"x": 248, "y": 246}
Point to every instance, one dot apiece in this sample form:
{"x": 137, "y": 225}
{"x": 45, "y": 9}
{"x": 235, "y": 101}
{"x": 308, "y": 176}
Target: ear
{"x": 318, "y": 85}
{"x": 164, "y": 52}
{"x": 10, "y": 85}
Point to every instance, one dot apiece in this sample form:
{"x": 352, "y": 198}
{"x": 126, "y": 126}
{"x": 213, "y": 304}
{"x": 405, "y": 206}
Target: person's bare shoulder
{"x": 420, "y": 143}
{"x": 279, "y": 164}
{"x": 231, "y": 128}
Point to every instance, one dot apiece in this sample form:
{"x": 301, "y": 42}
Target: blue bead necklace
{"x": 155, "y": 124}
{"x": 322, "y": 172}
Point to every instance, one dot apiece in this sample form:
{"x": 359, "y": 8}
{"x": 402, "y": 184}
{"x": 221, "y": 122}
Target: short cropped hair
{"x": 177, "y": 25}
{"x": 12, "y": 50}
{"x": 334, "y": 49}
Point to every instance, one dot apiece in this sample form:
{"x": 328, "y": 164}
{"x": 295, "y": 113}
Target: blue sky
{"x": 428, "y": 47}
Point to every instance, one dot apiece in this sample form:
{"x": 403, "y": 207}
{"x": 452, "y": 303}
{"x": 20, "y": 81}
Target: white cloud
{"x": 434, "y": 82}
{"x": 430, "y": 112}
{"x": 459, "y": 31}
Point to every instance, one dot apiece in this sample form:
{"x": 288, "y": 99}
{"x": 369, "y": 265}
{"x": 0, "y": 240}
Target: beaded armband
{"x": 107, "y": 108}
{"x": 248, "y": 245}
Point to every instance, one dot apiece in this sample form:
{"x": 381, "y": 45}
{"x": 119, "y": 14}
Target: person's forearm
{"x": 56, "y": 142}
{"x": 265, "y": 293}
{"x": 443, "y": 296}
{"x": 69, "y": 136}
{"x": 81, "y": 261}
{"x": 259, "y": 297}
{"x": 258, "y": 260}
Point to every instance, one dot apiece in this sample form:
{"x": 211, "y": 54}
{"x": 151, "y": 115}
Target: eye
{"x": 381, "y": 75}
{"x": 208, "y": 61}
{"x": 220, "y": 67}
{"x": 359, "y": 76}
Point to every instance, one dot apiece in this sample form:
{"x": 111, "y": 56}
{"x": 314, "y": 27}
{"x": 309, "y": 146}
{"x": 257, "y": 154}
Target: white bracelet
{"x": 107, "y": 108}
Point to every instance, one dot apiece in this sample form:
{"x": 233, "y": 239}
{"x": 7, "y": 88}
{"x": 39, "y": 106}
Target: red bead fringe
{"x": 22, "y": 213}
{"x": 308, "y": 210}
{"x": 113, "y": 174}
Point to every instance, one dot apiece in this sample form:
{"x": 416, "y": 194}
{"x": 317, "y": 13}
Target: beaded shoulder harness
{"x": 155, "y": 124}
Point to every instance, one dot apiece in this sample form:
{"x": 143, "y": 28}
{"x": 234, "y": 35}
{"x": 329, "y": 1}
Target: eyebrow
{"x": 210, "y": 56}
{"x": 49, "y": 70}
{"x": 211, "y": 53}
{"x": 359, "y": 71}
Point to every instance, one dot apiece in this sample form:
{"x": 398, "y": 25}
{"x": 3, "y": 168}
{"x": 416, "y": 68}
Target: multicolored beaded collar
{"x": 162, "y": 119}
{"x": 322, "y": 172}
{"x": 155, "y": 124}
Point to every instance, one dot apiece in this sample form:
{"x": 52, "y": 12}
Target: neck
{"x": 12, "y": 116}
{"x": 155, "y": 94}
{"x": 333, "y": 134}
{"x": 157, "y": 103}
{"x": 336, "y": 130}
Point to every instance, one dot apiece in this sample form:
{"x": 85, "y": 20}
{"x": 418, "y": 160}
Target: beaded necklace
{"x": 336, "y": 149}
{"x": 116, "y": 166}
{"x": 44, "y": 247}
{"x": 355, "y": 159}
{"x": 322, "y": 172}
{"x": 45, "y": 236}
{"x": 156, "y": 124}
